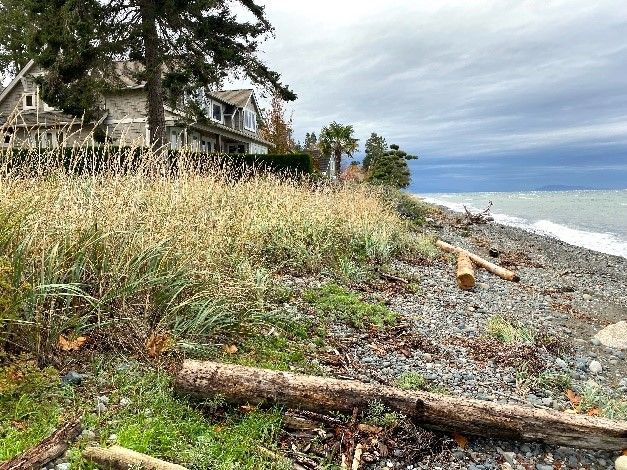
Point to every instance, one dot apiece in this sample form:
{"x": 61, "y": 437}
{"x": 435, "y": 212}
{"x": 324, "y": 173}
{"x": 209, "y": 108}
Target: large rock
{"x": 614, "y": 336}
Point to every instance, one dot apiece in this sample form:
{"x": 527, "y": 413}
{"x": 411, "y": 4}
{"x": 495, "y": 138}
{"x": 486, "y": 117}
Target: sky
{"x": 492, "y": 95}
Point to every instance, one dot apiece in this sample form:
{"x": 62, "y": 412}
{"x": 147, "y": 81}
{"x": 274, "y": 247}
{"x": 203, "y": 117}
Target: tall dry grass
{"x": 192, "y": 254}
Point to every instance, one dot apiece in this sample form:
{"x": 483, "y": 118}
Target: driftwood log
{"x": 255, "y": 386}
{"x": 485, "y": 264}
{"x": 47, "y": 450}
{"x": 465, "y": 272}
{"x": 120, "y": 458}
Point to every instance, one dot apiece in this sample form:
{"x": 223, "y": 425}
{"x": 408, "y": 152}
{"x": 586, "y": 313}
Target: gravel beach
{"x": 566, "y": 293}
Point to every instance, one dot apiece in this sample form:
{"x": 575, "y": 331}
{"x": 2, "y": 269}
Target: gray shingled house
{"x": 232, "y": 125}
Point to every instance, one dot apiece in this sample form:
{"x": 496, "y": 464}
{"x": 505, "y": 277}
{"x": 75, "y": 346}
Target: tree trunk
{"x": 338, "y": 163}
{"x": 485, "y": 264}
{"x": 153, "y": 63}
{"x": 465, "y": 272}
{"x": 47, "y": 450}
{"x": 251, "y": 385}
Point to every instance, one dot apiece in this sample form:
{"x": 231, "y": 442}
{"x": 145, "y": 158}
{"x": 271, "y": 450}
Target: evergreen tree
{"x": 375, "y": 147}
{"x": 310, "y": 140}
{"x": 391, "y": 168}
{"x": 277, "y": 128}
{"x": 183, "y": 45}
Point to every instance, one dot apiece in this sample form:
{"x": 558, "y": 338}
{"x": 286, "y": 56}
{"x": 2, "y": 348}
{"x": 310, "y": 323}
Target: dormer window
{"x": 217, "y": 112}
{"x": 250, "y": 120}
{"x": 29, "y": 101}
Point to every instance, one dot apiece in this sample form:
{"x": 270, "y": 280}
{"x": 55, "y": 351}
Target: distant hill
{"x": 562, "y": 187}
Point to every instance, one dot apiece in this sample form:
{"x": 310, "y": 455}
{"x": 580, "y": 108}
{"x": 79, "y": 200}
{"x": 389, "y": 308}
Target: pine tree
{"x": 391, "y": 168}
{"x": 375, "y": 147}
{"x": 183, "y": 45}
{"x": 310, "y": 140}
{"x": 277, "y": 128}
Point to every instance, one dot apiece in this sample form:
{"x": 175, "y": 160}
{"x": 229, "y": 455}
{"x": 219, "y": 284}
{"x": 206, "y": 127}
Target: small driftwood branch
{"x": 465, "y": 272}
{"x": 485, "y": 264}
{"x": 120, "y": 458}
{"x": 47, "y": 450}
{"x": 482, "y": 217}
{"x": 445, "y": 413}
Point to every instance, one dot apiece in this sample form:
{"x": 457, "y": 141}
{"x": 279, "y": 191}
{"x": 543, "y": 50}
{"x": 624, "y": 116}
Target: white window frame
{"x": 221, "y": 120}
{"x": 252, "y": 117}
{"x": 34, "y": 98}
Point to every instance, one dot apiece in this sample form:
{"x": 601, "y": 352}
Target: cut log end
{"x": 465, "y": 272}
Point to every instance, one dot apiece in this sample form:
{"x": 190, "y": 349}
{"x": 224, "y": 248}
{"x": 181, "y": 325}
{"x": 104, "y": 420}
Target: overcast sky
{"x": 473, "y": 80}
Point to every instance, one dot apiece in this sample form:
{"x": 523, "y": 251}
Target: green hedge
{"x": 97, "y": 159}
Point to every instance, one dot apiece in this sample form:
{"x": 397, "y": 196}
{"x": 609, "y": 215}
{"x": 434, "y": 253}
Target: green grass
{"x": 412, "y": 381}
{"x": 30, "y": 406}
{"x": 508, "y": 332}
{"x": 610, "y": 405}
{"x": 555, "y": 382}
{"x": 341, "y": 303}
{"x": 378, "y": 414}
{"x": 157, "y": 421}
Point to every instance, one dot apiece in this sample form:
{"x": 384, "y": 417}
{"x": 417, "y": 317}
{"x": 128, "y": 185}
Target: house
{"x": 232, "y": 126}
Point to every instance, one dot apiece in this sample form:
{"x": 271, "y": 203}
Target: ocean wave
{"x": 604, "y": 242}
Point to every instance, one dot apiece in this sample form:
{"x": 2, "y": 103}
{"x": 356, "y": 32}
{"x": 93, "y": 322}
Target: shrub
{"x": 91, "y": 160}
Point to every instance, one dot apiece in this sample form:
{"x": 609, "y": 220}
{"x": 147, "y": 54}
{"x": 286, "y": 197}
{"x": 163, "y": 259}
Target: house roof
{"x": 239, "y": 98}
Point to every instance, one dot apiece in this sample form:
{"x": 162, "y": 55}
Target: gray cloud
{"x": 457, "y": 77}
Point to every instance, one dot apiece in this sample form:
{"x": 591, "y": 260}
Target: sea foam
{"x": 604, "y": 242}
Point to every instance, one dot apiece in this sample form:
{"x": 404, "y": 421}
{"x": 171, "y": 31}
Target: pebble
{"x": 72, "y": 378}
{"x": 561, "y": 363}
{"x": 540, "y": 466}
{"x": 103, "y": 399}
{"x": 100, "y": 407}
{"x": 112, "y": 437}
{"x": 125, "y": 402}
{"x": 587, "y": 297}
{"x": 596, "y": 341}
{"x": 595, "y": 367}
{"x": 63, "y": 466}
{"x": 621, "y": 463}
{"x": 88, "y": 434}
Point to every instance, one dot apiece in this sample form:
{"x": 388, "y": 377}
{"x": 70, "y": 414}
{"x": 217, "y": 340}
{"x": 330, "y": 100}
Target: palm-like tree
{"x": 336, "y": 140}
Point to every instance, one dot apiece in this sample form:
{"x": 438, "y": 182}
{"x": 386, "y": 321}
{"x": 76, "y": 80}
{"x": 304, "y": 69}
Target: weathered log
{"x": 255, "y": 386}
{"x": 465, "y": 272}
{"x": 120, "y": 458}
{"x": 485, "y": 264}
{"x": 47, "y": 450}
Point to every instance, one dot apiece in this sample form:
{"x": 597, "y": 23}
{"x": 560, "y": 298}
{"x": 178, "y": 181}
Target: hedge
{"x": 96, "y": 159}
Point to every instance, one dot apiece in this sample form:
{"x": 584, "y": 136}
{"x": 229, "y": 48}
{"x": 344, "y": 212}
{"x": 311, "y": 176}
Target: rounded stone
{"x": 595, "y": 367}
{"x": 621, "y": 463}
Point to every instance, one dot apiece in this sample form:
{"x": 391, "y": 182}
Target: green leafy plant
{"x": 332, "y": 299}
{"x": 412, "y": 381}
{"x": 508, "y": 332}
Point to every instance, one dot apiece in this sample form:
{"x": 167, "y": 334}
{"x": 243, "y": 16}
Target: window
{"x": 250, "y": 120}
{"x": 29, "y": 101}
{"x": 217, "y": 112}
{"x": 174, "y": 139}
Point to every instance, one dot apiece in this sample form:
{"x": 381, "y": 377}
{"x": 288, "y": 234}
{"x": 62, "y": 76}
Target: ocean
{"x": 591, "y": 219}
